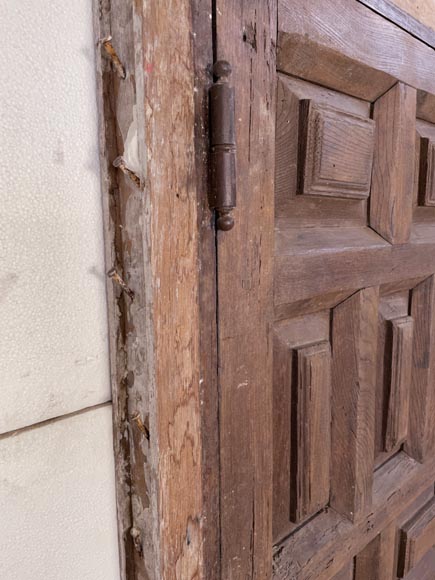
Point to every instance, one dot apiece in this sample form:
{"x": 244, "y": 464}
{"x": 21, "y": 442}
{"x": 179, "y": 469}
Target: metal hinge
{"x": 223, "y": 146}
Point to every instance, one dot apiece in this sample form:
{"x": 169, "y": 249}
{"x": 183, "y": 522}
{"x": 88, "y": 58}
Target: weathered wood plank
{"x": 172, "y": 197}
{"x": 346, "y": 259}
{"x": 203, "y": 56}
{"x": 354, "y": 340}
{"x": 245, "y": 36}
{"x": 311, "y": 441}
{"x": 314, "y": 43}
{"x": 415, "y": 18}
{"x": 401, "y": 366}
{"x": 326, "y": 543}
{"x": 393, "y": 176}
{"x": 120, "y": 107}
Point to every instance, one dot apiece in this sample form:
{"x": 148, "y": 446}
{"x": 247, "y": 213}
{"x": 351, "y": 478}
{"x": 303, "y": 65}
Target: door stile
{"x": 245, "y": 37}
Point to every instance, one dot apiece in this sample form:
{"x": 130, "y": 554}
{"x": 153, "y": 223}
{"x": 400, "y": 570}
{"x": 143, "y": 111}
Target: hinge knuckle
{"x": 223, "y": 146}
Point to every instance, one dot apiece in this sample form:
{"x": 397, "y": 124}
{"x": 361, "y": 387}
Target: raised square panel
{"x": 311, "y": 431}
{"x": 336, "y": 152}
{"x": 426, "y": 184}
{"x": 394, "y": 373}
{"x": 302, "y": 419}
{"x": 401, "y": 366}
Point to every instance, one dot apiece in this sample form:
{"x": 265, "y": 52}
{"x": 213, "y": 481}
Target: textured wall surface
{"x": 57, "y": 508}
{"x": 53, "y": 340}
{"x": 57, "y": 485}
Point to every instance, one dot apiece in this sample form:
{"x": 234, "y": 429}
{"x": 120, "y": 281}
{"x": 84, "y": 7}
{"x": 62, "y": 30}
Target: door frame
{"x": 182, "y": 452}
{"x": 152, "y": 85}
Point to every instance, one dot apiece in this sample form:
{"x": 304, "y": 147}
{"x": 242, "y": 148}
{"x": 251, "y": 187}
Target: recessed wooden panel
{"x": 391, "y": 307}
{"x": 354, "y": 342}
{"x": 401, "y": 361}
{"x": 417, "y": 538}
{"x": 426, "y": 183}
{"x": 289, "y": 337}
{"x": 336, "y": 152}
{"x": 393, "y": 166}
{"x": 311, "y": 432}
{"x": 376, "y": 561}
{"x": 421, "y": 432}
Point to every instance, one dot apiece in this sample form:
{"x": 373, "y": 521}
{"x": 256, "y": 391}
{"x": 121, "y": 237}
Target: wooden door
{"x": 326, "y": 296}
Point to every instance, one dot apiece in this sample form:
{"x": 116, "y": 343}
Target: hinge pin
{"x": 223, "y": 146}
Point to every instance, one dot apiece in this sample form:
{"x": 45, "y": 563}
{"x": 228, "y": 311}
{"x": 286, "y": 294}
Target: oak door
{"x": 326, "y": 296}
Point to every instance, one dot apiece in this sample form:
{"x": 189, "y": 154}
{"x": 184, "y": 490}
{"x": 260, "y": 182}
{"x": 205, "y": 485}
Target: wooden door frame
{"x": 153, "y": 73}
{"x": 181, "y": 503}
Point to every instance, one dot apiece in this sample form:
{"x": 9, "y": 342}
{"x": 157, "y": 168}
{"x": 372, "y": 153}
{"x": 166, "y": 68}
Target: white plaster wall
{"x": 53, "y": 339}
{"x": 57, "y": 505}
{"x": 57, "y": 488}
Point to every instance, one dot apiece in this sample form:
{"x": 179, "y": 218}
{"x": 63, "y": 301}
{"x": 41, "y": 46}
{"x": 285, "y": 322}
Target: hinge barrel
{"x": 223, "y": 146}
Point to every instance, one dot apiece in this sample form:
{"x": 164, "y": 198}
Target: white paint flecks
{"x": 53, "y": 339}
{"x": 131, "y": 147}
{"x": 57, "y": 501}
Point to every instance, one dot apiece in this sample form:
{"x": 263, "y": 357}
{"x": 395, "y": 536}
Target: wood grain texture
{"x": 346, "y": 259}
{"x": 134, "y": 429}
{"x": 421, "y": 439}
{"x": 414, "y": 17}
{"x": 424, "y": 569}
{"x": 423, "y": 12}
{"x": 296, "y": 209}
{"x": 311, "y": 440}
{"x": 203, "y": 56}
{"x": 289, "y": 337}
{"x": 157, "y": 419}
{"x": 392, "y": 182}
{"x": 400, "y": 386}
{"x": 354, "y": 338}
{"x": 171, "y": 239}
{"x": 335, "y": 152}
{"x": 315, "y": 43}
{"x": 283, "y": 364}
{"x": 417, "y": 538}
{"x": 377, "y": 560}
{"x": 426, "y": 106}
{"x": 324, "y": 545}
{"x": 345, "y": 573}
{"x": 391, "y": 306}
{"x": 245, "y": 36}
{"x": 426, "y": 182}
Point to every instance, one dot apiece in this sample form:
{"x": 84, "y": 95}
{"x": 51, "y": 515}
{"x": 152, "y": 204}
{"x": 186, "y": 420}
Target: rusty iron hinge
{"x": 223, "y": 146}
